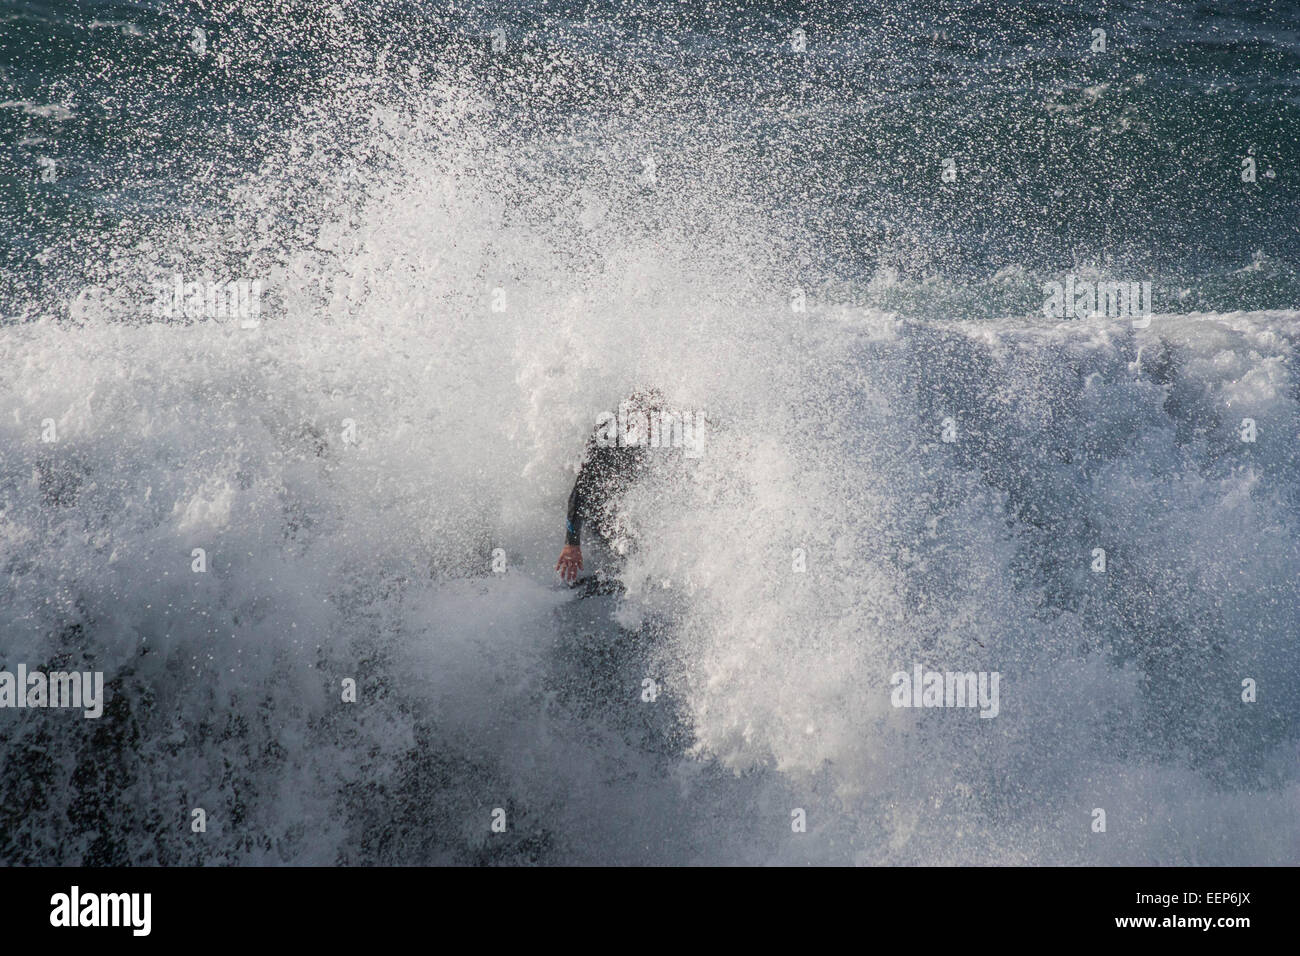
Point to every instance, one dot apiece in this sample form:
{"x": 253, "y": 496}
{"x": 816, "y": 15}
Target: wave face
{"x": 469, "y": 244}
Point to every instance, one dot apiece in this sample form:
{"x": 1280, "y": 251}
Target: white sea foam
{"x": 55, "y": 111}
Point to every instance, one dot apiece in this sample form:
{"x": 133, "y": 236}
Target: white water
{"x": 329, "y": 559}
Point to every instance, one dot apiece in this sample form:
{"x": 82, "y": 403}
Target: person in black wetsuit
{"x": 611, "y": 464}
{"x": 604, "y": 475}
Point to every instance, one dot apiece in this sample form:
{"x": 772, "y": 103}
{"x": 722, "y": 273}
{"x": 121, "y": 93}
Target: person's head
{"x": 646, "y": 398}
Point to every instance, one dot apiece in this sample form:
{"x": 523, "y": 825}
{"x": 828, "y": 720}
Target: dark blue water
{"x": 1127, "y": 161}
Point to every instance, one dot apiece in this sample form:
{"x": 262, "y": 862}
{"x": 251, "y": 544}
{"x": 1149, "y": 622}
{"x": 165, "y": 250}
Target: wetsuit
{"x": 606, "y": 472}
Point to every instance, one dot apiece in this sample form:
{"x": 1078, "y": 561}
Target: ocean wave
{"x": 230, "y": 516}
